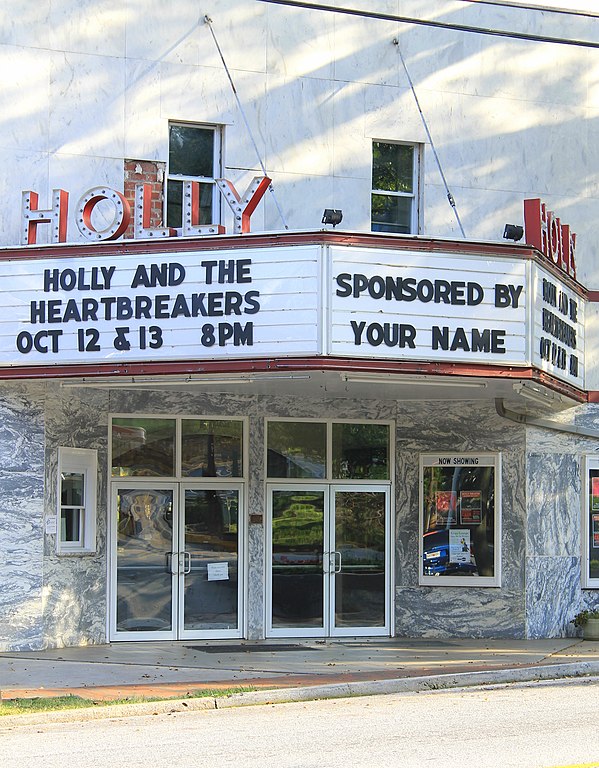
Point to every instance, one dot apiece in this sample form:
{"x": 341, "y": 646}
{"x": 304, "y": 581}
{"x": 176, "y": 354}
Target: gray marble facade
{"x": 58, "y": 600}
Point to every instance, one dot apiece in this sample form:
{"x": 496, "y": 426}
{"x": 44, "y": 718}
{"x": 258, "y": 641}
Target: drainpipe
{"x": 532, "y": 421}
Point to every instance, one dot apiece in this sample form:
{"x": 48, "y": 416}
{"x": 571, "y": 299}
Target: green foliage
{"x": 57, "y": 703}
{"x": 582, "y": 617}
{"x": 46, "y": 704}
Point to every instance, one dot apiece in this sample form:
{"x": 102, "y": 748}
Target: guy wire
{"x": 208, "y": 21}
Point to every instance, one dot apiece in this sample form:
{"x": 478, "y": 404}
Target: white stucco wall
{"x": 94, "y": 81}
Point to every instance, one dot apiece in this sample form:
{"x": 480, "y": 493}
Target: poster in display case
{"x": 459, "y": 519}
{"x": 590, "y": 521}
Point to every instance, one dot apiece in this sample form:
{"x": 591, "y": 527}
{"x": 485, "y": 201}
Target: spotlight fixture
{"x": 513, "y": 232}
{"x": 332, "y": 216}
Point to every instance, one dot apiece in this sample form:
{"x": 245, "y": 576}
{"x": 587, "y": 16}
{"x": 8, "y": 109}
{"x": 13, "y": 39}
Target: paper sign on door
{"x": 218, "y": 571}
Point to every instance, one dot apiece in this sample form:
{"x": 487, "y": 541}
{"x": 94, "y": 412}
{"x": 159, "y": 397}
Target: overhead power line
{"x": 436, "y": 24}
{"x": 541, "y": 8}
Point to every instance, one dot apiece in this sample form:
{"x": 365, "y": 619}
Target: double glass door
{"x": 328, "y": 560}
{"x": 176, "y": 565}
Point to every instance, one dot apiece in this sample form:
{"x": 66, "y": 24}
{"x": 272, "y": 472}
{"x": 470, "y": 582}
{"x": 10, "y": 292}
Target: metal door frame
{"x": 177, "y": 631}
{"x": 190, "y": 634}
{"x": 329, "y": 489}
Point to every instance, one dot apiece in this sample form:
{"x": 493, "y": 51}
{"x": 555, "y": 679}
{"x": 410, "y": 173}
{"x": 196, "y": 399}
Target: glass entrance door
{"x": 176, "y": 566}
{"x": 145, "y": 563}
{"x": 209, "y": 581}
{"x": 329, "y": 553}
{"x": 358, "y": 569}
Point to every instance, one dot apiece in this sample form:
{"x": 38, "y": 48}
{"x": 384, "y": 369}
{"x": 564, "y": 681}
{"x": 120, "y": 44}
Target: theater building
{"x": 227, "y": 414}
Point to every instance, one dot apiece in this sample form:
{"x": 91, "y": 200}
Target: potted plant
{"x": 589, "y": 621}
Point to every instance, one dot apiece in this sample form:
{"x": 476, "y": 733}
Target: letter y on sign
{"x": 243, "y": 206}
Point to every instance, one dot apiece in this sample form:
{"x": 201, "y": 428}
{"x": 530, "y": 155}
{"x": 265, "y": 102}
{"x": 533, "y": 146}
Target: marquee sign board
{"x": 558, "y": 328}
{"x": 290, "y": 301}
{"x": 183, "y": 306}
{"x": 410, "y": 305}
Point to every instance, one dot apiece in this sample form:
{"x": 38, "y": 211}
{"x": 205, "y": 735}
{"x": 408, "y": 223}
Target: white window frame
{"x": 415, "y": 223}
{"x": 216, "y": 167}
{"x": 485, "y": 459}
{"x": 589, "y": 463}
{"x": 82, "y": 461}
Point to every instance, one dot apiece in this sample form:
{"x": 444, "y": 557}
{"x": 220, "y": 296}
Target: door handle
{"x": 186, "y": 563}
{"x": 168, "y": 562}
{"x": 336, "y": 555}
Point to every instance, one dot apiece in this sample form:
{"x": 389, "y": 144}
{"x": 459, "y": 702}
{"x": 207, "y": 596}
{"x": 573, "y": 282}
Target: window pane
{"x": 593, "y": 524}
{"x": 174, "y": 205}
{"x": 296, "y": 449}
{"x": 297, "y": 551}
{"x": 143, "y": 447}
{"x": 144, "y": 552}
{"x": 360, "y": 451}
{"x": 391, "y": 214}
{"x": 459, "y": 521}
{"x": 392, "y": 167}
{"x": 191, "y": 151}
{"x": 211, "y": 541}
{"x": 71, "y": 489}
{"x": 70, "y": 525}
{"x": 360, "y": 540}
{"x": 212, "y": 448}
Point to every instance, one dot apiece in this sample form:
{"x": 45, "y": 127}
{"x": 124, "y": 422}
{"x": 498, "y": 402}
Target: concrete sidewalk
{"x": 301, "y": 669}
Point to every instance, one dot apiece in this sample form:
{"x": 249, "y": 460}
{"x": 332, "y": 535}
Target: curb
{"x": 310, "y": 693}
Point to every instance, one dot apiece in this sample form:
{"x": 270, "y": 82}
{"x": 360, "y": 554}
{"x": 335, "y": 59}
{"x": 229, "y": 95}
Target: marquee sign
{"x": 186, "y": 306}
{"x": 286, "y": 301}
{"x": 412, "y": 306}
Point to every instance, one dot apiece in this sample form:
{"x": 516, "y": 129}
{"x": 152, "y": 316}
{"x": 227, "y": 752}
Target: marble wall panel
{"x": 21, "y": 515}
{"x": 293, "y": 146}
{"x": 552, "y": 595}
{"x": 165, "y": 31}
{"x": 200, "y": 94}
{"x": 456, "y": 612}
{"x": 74, "y": 27}
{"x": 553, "y": 505}
{"x": 371, "y": 58}
{"x": 146, "y": 129}
{"x": 30, "y": 26}
{"x": 391, "y": 114}
{"x": 300, "y": 44}
{"x": 75, "y": 585}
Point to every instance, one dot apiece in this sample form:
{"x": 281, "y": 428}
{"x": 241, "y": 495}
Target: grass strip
{"x": 58, "y": 703}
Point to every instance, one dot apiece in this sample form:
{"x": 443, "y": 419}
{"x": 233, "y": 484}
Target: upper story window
{"x": 395, "y": 172}
{"x": 193, "y": 155}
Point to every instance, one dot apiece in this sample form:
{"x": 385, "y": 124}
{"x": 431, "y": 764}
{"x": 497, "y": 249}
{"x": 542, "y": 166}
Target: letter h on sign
{"x": 56, "y": 216}
{"x": 546, "y": 233}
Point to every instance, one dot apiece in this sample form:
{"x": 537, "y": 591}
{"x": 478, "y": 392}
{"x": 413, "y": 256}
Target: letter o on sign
{"x": 121, "y": 215}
